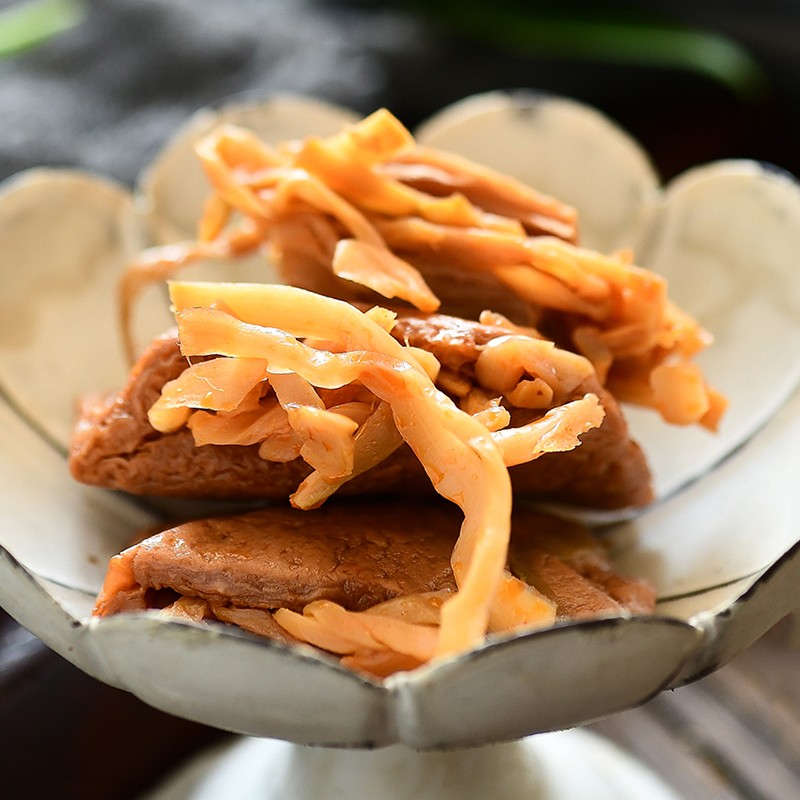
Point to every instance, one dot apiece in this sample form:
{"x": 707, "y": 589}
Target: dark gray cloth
{"x": 108, "y": 93}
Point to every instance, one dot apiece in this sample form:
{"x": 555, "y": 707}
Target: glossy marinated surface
{"x": 356, "y": 556}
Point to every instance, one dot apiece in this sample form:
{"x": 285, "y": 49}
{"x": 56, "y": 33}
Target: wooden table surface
{"x": 735, "y": 735}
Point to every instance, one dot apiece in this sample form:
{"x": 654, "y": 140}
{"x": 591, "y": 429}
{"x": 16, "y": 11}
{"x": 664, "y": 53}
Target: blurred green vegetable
{"x": 27, "y": 24}
{"x": 603, "y": 32}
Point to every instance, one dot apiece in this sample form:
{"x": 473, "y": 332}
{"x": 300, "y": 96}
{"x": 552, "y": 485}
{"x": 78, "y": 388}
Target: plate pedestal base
{"x": 570, "y": 765}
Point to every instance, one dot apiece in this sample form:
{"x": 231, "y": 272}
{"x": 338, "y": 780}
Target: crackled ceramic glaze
{"x": 720, "y": 546}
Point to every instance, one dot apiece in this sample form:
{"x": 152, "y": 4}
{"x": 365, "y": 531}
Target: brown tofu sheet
{"x": 115, "y": 446}
{"x": 435, "y": 231}
{"x": 239, "y": 569}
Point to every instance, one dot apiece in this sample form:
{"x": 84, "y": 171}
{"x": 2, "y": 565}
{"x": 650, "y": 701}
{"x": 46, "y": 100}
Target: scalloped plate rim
{"x": 422, "y": 676}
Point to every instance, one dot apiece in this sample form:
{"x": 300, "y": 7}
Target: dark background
{"x": 106, "y": 93}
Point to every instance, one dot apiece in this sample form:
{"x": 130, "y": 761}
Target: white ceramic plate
{"x": 720, "y": 545}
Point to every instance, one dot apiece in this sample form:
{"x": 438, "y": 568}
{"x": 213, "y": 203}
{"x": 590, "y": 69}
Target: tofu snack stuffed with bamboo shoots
{"x": 441, "y": 332}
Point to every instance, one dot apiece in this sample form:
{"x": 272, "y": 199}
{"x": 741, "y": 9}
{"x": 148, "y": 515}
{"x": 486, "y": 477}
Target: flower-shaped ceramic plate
{"x": 719, "y": 545}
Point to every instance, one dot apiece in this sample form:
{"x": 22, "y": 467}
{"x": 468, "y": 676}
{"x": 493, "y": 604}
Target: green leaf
{"x": 584, "y": 32}
{"x": 28, "y": 24}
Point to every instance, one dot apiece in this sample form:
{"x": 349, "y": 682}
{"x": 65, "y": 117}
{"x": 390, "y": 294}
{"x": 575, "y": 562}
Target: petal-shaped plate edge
{"x": 480, "y": 651}
{"x": 33, "y": 607}
{"x": 736, "y": 521}
{"x": 173, "y": 188}
{"x": 246, "y": 684}
{"x": 497, "y": 129}
{"x": 155, "y": 659}
{"x": 44, "y": 302}
{"x": 773, "y": 596}
{"x": 560, "y": 677}
{"x": 725, "y": 234}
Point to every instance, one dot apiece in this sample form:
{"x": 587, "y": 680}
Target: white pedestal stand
{"x": 570, "y": 765}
